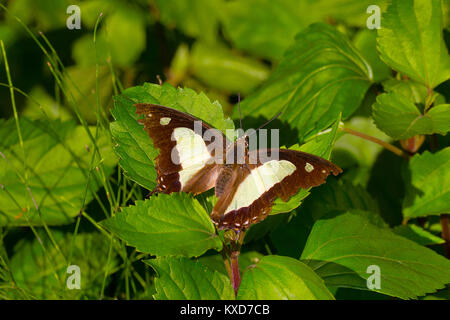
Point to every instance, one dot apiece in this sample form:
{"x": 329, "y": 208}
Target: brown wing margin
{"x": 161, "y": 135}
{"x": 310, "y": 171}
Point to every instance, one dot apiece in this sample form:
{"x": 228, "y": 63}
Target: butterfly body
{"x": 194, "y": 157}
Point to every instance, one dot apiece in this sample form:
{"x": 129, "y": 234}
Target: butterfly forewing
{"x": 185, "y": 161}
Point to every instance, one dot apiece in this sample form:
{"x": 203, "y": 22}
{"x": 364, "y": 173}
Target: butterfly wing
{"x": 186, "y": 160}
{"x": 250, "y": 191}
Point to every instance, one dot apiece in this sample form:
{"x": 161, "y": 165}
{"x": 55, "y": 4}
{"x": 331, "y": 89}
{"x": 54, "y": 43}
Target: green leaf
{"x": 215, "y": 262}
{"x": 366, "y": 42}
{"x": 410, "y": 41}
{"x": 56, "y": 166}
{"x": 174, "y": 224}
{"x": 195, "y": 18}
{"x": 267, "y": 28}
{"x": 134, "y": 146}
{"x": 417, "y": 234}
{"x": 401, "y": 119}
{"x": 125, "y": 33}
{"x": 428, "y": 192}
{"x": 221, "y": 68}
{"x": 184, "y": 279}
{"x": 321, "y": 75}
{"x": 320, "y": 145}
{"x": 341, "y": 248}
{"x": 44, "y": 273}
{"x": 282, "y": 278}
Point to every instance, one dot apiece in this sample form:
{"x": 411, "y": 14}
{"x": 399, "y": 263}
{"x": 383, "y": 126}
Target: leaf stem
{"x": 235, "y": 273}
{"x": 445, "y": 232}
{"x": 382, "y": 143}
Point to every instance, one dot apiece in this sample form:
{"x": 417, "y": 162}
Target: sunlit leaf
{"x": 282, "y": 278}
{"x": 184, "y": 279}
{"x": 164, "y": 225}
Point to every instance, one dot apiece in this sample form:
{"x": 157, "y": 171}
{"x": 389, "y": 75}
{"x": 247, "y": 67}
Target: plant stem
{"x": 382, "y": 143}
{"x": 235, "y": 273}
{"x": 445, "y": 232}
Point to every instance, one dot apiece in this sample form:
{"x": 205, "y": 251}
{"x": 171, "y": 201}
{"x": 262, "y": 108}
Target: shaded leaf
{"x": 417, "y": 234}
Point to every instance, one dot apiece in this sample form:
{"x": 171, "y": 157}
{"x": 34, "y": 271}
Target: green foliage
{"x": 48, "y": 179}
{"x": 76, "y": 166}
{"x": 428, "y": 191}
{"x": 272, "y": 277}
{"x": 321, "y": 75}
{"x": 166, "y": 225}
{"x": 340, "y": 249}
{"x": 184, "y": 279}
{"x": 411, "y": 41}
{"x": 401, "y": 119}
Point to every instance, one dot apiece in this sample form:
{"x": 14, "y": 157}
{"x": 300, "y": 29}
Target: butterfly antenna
{"x": 273, "y": 118}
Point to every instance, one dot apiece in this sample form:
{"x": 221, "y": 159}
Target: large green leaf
{"x": 401, "y": 119}
{"x": 173, "y": 224}
{"x": 410, "y": 41}
{"x": 428, "y": 191}
{"x": 184, "y": 279}
{"x": 321, "y": 75}
{"x": 282, "y": 278}
{"x": 43, "y": 274}
{"x": 134, "y": 146}
{"x": 341, "y": 248}
{"x": 56, "y": 168}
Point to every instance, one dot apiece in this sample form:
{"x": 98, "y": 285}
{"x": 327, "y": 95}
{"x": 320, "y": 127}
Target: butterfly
{"x": 195, "y": 157}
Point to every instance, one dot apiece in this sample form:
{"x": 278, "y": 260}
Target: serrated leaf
{"x": 134, "y": 146}
{"x": 184, "y": 279}
{"x": 174, "y": 224}
{"x": 56, "y": 167}
{"x": 341, "y": 248}
{"x": 428, "y": 192}
{"x": 401, "y": 119}
{"x": 320, "y": 76}
{"x": 36, "y": 271}
{"x": 410, "y": 41}
{"x": 282, "y": 278}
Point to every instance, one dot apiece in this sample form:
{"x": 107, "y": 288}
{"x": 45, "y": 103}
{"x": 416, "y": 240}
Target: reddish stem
{"x": 236, "y": 275}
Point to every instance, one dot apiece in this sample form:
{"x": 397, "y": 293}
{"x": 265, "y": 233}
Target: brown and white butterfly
{"x": 246, "y": 190}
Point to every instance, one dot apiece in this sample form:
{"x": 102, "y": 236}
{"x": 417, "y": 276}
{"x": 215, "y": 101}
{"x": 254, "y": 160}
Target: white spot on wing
{"x": 164, "y": 121}
{"x": 309, "y": 167}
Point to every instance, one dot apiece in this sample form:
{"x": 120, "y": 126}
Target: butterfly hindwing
{"x": 184, "y": 160}
{"x": 252, "y": 189}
